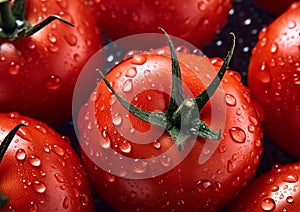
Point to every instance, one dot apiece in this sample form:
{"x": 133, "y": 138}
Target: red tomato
{"x": 191, "y": 185}
{"x": 194, "y": 21}
{"x": 38, "y": 73}
{"x": 40, "y": 170}
{"x": 274, "y": 79}
{"x": 276, "y": 190}
{"x": 275, "y": 6}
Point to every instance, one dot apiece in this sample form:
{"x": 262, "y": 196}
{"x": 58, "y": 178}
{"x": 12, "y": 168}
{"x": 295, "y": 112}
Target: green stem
{"x": 7, "y": 140}
{"x": 8, "y": 21}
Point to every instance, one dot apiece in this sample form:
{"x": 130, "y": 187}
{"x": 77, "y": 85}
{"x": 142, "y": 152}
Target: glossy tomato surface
{"x": 191, "y": 185}
{"x": 274, "y": 79}
{"x": 275, "y": 6}
{"x": 276, "y": 190}
{"x": 192, "y": 20}
{"x": 38, "y": 73}
{"x": 40, "y": 171}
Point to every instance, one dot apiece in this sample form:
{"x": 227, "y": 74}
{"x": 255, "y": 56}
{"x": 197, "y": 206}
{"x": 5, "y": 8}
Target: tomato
{"x": 212, "y": 171}
{"x": 274, "y": 79}
{"x": 194, "y": 21}
{"x": 38, "y": 73}
{"x": 40, "y": 170}
{"x": 276, "y": 190}
{"x": 275, "y": 7}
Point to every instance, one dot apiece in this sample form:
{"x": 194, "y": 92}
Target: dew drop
{"x": 125, "y": 147}
{"x": 274, "y": 188}
{"x": 263, "y": 41}
{"x": 264, "y": 75}
{"x": 138, "y": 59}
{"x": 290, "y": 178}
{"x": 13, "y": 115}
{"x": 203, "y": 185}
{"x": 274, "y": 48}
{"x": 53, "y": 82}
{"x": 117, "y": 119}
{"x": 165, "y": 160}
{"x": 41, "y": 129}
{"x": 139, "y": 166}
{"x": 34, "y": 161}
{"x": 25, "y": 134}
{"x": 230, "y": 99}
{"x": 58, "y": 150}
{"x": 133, "y": 194}
{"x": 59, "y": 178}
{"x": 20, "y": 154}
{"x": 292, "y": 24}
{"x": 51, "y": 38}
{"x": 53, "y": 48}
{"x": 71, "y": 39}
{"x": 131, "y": 72}
{"x": 268, "y": 204}
{"x": 66, "y": 203}
{"x": 128, "y": 85}
{"x": 84, "y": 199}
{"x": 237, "y": 134}
{"x": 110, "y": 178}
{"x": 39, "y": 187}
{"x": 290, "y": 199}
{"x": 13, "y": 69}
{"x": 231, "y": 166}
{"x": 251, "y": 128}
{"x": 156, "y": 144}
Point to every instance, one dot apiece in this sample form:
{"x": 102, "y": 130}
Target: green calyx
{"x": 3, "y": 148}
{"x": 181, "y": 118}
{"x": 13, "y": 25}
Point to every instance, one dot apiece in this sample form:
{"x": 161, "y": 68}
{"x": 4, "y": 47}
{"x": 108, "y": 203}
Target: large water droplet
{"x": 237, "y": 134}
{"x": 268, "y": 204}
{"x": 59, "y": 178}
{"x": 53, "y": 82}
{"x": 230, "y": 99}
{"x": 131, "y": 72}
{"x": 290, "y": 199}
{"x": 125, "y": 147}
{"x": 264, "y": 75}
{"x": 156, "y": 144}
{"x": 14, "y": 68}
{"x": 292, "y": 24}
{"x": 34, "y": 160}
{"x": 290, "y": 178}
{"x": 139, "y": 166}
{"x": 25, "y": 134}
{"x": 39, "y": 187}
{"x": 231, "y": 166}
{"x": 165, "y": 160}
{"x": 274, "y": 48}
{"x": 128, "y": 85}
{"x": 71, "y": 39}
{"x": 58, "y": 150}
{"x": 66, "y": 203}
{"x": 117, "y": 119}
{"x": 110, "y": 178}
{"x": 20, "y": 154}
{"x": 138, "y": 59}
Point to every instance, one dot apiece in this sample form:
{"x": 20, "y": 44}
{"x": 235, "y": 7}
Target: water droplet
{"x": 53, "y": 82}
{"x": 58, "y": 150}
{"x": 41, "y": 129}
{"x": 274, "y": 48}
{"x": 133, "y": 194}
{"x": 135, "y": 16}
{"x": 251, "y": 128}
{"x": 39, "y": 187}
{"x": 289, "y": 199}
{"x": 33, "y": 207}
{"x": 20, "y": 154}
{"x": 156, "y": 144}
{"x": 14, "y": 68}
{"x": 138, "y": 59}
{"x": 292, "y": 24}
{"x": 202, "y": 5}
{"x": 231, "y": 166}
{"x": 165, "y": 160}
{"x": 25, "y": 134}
{"x": 125, "y": 147}
{"x": 66, "y": 203}
{"x": 51, "y": 38}
{"x": 13, "y": 115}
{"x": 62, "y": 4}
{"x": 268, "y": 204}
{"x": 237, "y": 134}
{"x": 131, "y": 72}
{"x": 290, "y": 178}
{"x": 270, "y": 181}
{"x": 110, "y": 178}
{"x": 203, "y": 185}
{"x": 264, "y": 75}
{"x": 34, "y": 161}
{"x": 53, "y": 48}
{"x": 71, "y": 39}
{"x": 59, "y": 178}
{"x": 84, "y": 199}
{"x": 117, "y": 119}
{"x": 78, "y": 180}
{"x": 263, "y": 41}
{"x": 139, "y": 166}
{"x": 230, "y": 99}
{"x": 128, "y": 85}
{"x": 274, "y": 188}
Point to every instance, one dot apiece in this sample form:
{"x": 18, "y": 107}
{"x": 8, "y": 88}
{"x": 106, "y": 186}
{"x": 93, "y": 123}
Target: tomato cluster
{"x": 167, "y": 128}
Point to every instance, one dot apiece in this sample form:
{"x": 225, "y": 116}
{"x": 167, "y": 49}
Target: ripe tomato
{"x": 194, "y": 21}
{"x": 192, "y": 184}
{"x": 274, "y": 79}
{"x": 276, "y": 190}
{"x": 38, "y": 73}
{"x": 40, "y": 170}
{"x": 276, "y": 7}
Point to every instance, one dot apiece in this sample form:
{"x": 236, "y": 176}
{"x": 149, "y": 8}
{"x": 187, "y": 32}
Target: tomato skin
{"x": 275, "y": 190}
{"x": 189, "y": 186}
{"x": 38, "y": 73}
{"x": 40, "y": 170}
{"x": 195, "y": 21}
{"x": 274, "y": 79}
{"x": 275, "y": 7}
